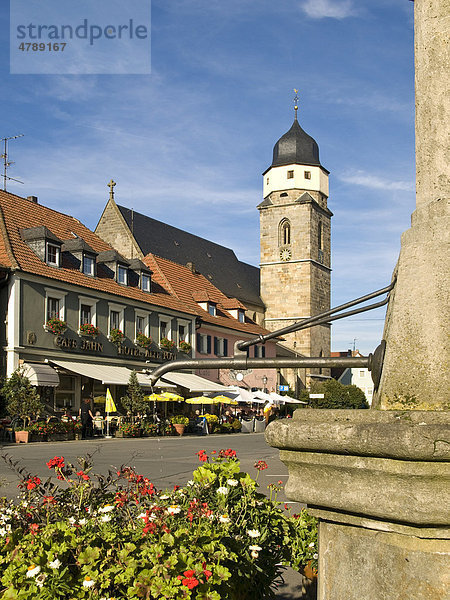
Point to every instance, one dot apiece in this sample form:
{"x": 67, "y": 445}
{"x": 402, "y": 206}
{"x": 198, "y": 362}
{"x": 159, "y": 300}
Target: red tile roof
{"x": 18, "y": 213}
{"x": 188, "y": 285}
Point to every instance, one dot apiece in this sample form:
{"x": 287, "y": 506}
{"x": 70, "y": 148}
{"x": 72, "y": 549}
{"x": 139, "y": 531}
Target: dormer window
{"x": 122, "y": 274}
{"x": 53, "y": 255}
{"x": 88, "y": 265}
{"x": 241, "y": 316}
{"x": 145, "y": 282}
{"x": 212, "y": 309}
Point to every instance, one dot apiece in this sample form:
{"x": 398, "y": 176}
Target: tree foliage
{"x": 21, "y": 397}
{"x": 133, "y": 402}
{"x": 336, "y": 395}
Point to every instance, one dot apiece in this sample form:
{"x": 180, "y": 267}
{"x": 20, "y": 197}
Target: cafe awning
{"x": 107, "y": 374}
{"x": 41, "y": 374}
{"x": 194, "y": 383}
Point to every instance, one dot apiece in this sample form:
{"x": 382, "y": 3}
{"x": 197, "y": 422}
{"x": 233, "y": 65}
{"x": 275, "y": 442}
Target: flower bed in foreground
{"x": 117, "y": 537}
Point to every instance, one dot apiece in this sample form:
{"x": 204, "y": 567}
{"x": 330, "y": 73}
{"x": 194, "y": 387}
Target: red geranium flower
{"x": 260, "y": 465}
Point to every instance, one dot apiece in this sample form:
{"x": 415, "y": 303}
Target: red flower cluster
{"x": 198, "y": 509}
{"x": 56, "y": 462}
{"x": 228, "y": 453}
{"x": 202, "y": 456}
{"x": 189, "y": 579}
{"x": 33, "y": 482}
{"x": 83, "y": 475}
{"x": 49, "y": 500}
{"x": 34, "y": 528}
{"x": 260, "y": 465}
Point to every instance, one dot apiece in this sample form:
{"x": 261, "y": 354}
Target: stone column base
{"x": 364, "y": 563}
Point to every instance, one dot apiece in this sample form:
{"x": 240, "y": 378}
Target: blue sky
{"x": 187, "y": 144}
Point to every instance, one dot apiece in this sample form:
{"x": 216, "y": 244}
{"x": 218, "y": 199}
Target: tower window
{"x": 307, "y": 174}
{"x": 284, "y": 233}
{"x": 267, "y": 181}
{"x": 290, "y": 174}
{"x": 320, "y": 237}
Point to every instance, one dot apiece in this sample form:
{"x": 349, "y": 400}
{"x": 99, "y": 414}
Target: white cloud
{"x": 318, "y": 9}
{"x": 374, "y": 182}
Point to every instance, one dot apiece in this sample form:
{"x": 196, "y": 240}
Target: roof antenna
{"x": 296, "y": 103}
{"x": 6, "y": 162}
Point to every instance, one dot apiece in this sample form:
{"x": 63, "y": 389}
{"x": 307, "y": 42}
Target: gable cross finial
{"x": 111, "y": 185}
{"x": 296, "y": 103}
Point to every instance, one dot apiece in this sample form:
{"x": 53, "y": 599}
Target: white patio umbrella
{"x": 285, "y": 399}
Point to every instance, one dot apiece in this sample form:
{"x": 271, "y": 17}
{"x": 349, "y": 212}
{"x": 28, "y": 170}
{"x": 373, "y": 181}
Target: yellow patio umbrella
{"x": 171, "y": 397}
{"x": 109, "y": 408}
{"x": 200, "y": 400}
{"x": 224, "y": 400}
{"x": 155, "y": 398}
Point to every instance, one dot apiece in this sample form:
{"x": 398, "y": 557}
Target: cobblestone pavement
{"x": 166, "y": 461}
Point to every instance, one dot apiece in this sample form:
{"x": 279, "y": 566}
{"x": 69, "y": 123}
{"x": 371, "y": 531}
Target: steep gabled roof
{"x": 217, "y": 263}
{"x": 17, "y": 213}
{"x": 192, "y": 288}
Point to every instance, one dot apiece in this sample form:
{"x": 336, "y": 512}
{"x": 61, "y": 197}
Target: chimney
{"x": 33, "y": 199}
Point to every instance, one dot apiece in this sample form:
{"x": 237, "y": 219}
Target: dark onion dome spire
{"x": 296, "y": 147}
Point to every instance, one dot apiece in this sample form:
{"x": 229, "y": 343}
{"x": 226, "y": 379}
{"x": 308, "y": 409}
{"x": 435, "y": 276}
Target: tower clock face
{"x": 285, "y": 254}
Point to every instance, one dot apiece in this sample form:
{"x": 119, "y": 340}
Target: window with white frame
{"x": 203, "y": 343}
{"x": 88, "y": 265}
{"x": 116, "y": 317}
{"x": 122, "y": 274}
{"x": 141, "y": 323}
{"x": 145, "y": 282}
{"x": 54, "y": 304}
{"x": 241, "y": 315}
{"x": 88, "y": 311}
{"x": 220, "y": 346}
{"x": 164, "y": 328}
{"x": 183, "y": 331}
{"x": 53, "y": 254}
{"x": 212, "y": 309}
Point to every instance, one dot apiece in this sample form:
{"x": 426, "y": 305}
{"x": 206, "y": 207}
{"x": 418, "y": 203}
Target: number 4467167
{"x": 42, "y": 46}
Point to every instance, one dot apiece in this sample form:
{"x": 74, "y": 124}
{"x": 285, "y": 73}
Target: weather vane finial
{"x": 111, "y": 185}
{"x": 296, "y": 103}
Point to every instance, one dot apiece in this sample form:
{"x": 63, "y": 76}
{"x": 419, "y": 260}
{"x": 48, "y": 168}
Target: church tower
{"x": 295, "y": 227}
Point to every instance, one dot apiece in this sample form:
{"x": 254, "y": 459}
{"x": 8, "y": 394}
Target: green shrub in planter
{"x": 236, "y": 425}
{"x": 226, "y": 428}
{"x": 117, "y": 536}
{"x": 149, "y": 429}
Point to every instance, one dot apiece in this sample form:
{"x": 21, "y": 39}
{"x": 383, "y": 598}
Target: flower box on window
{"x": 88, "y": 330}
{"x": 143, "y": 340}
{"x": 55, "y": 326}
{"x": 116, "y": 336}
{"x": 167, "y": 344}
{"x": 184, "y": 347}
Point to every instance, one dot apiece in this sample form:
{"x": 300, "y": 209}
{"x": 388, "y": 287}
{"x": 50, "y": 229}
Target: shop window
{"x": 65, "y": 393}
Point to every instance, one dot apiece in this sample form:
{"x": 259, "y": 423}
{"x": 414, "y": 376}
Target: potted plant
{"x": 22, "y": 402}
{"x": 179, "y": 422}
{"x": 55, "y": 326}
{"x": 143, "y": 340}
{"x": 167, "y": 344}
{"x": 129, "y": 430}
{"x": 213, "y": 422}
{"x": 134, "y": 402}
{"x": 37, "y": 431}
{"x": 88, "y": 330}
{"x": 116, "y": 336}
{"x": 184, "y": 347}
{"x": 149, "y": 429}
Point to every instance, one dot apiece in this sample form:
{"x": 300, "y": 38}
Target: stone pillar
{"x": 379, "y": 482}
{"x": 415, "y": 369}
